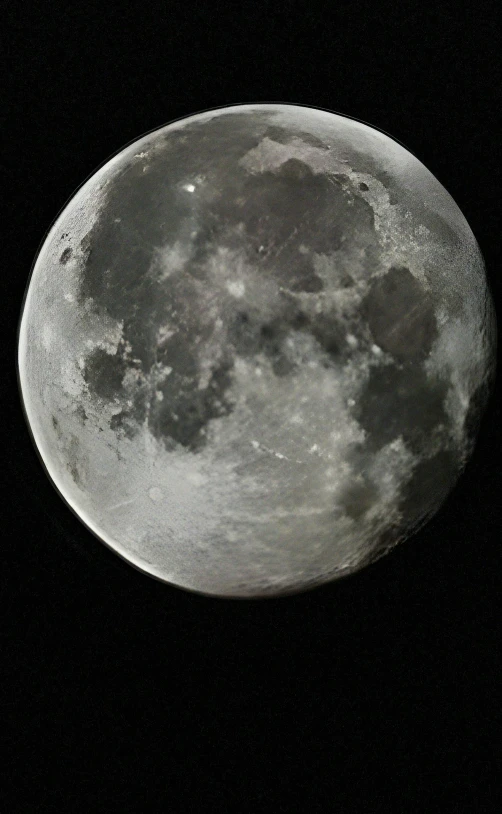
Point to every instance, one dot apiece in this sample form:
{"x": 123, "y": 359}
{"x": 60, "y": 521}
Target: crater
{"x": 400, "y": 315}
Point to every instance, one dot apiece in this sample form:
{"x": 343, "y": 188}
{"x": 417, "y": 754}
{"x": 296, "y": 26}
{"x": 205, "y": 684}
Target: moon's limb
{"x": 253, "y": 349}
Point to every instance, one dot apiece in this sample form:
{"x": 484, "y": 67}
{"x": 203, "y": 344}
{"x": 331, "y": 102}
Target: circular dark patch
{"x": 400, "y": 315}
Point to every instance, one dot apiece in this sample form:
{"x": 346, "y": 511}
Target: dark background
{"x": 374, "y": 693}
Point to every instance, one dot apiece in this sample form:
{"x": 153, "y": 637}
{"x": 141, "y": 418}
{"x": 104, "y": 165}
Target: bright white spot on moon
{"x": 236, "y": 288}
{"x": 189, "y": 187}
{"x": 163, "y": 334}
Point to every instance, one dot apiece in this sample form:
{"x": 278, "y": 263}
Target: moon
{"x": 255, "y": 348}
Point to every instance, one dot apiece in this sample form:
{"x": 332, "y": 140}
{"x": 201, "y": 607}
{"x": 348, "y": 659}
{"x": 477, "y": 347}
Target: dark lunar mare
{"x": 281, "y": 211}
{"x": 400, "y": 314}
{"x": 400, "y": 400}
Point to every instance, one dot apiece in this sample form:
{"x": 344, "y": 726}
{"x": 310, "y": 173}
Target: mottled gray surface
{"x": 255, "y": 347}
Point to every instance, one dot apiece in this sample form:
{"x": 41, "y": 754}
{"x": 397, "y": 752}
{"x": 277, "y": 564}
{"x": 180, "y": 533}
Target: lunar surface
{"x": 255, "y": 349}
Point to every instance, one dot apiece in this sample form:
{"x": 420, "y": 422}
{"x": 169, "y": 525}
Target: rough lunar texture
{"x": 255, "y": 349}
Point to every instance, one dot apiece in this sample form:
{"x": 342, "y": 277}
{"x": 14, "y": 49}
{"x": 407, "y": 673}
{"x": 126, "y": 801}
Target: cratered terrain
{"x": 255, "y": 349}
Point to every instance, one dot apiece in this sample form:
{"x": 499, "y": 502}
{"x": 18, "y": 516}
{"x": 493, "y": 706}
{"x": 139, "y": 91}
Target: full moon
{"x": 255, "y": 349}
